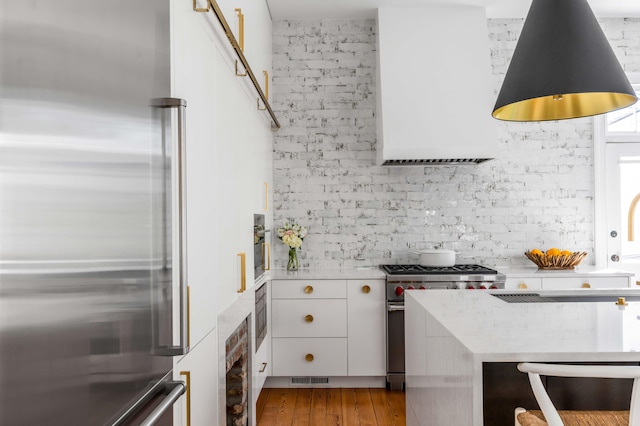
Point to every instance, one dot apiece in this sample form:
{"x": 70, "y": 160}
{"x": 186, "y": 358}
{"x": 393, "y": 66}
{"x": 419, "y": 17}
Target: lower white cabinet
{"x": 523, "y": 283}
{"x": 309, "y": 356}
{"x": 563, "y": 280}
{"x": 584, "y": 282}
{"x": 309, "y": 318}
{"x": 328, "y": 327}
{"x": 199, "y": 368}
{"x": 366, "y": 327}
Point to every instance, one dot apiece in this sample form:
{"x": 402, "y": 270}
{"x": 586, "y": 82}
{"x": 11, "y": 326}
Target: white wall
{"x": 538, "y": 193}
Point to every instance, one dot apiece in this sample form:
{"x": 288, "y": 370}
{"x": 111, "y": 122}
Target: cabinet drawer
{"x": 309, "y": 357}
{"x": 523, "y": 283}
{"x": 309, "y": 318}
{"x": 590, "y": 282}
{"x": 309, "y": 289}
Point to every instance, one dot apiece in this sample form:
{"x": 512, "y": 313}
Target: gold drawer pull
{"x": 309, "y": 357}
{"x": 308, "y": 318}
{"x": 264, "y": 367}
{"x": 586, "y": 285}
{"x": 366, "y": 289}
{"x": 621, "y": 302}
{"x": 522, "y": 286}
{"x": 187, "y": 379}
{"x": 637, "y": 282}
{"x": 308, "y": 289}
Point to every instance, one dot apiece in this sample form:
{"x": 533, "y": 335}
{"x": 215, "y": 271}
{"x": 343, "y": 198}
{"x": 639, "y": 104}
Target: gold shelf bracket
{"x": 238, "y": 73}
{"x": 215, "y": 9}
{"x": 266, "y": 89}
{"x": 201, "y": 9}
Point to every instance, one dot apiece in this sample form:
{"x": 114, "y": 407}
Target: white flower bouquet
{"x": 292, "y": 235}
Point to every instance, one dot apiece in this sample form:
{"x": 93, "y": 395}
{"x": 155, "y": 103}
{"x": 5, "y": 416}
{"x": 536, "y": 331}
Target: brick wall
{"x": 538, "y": 193}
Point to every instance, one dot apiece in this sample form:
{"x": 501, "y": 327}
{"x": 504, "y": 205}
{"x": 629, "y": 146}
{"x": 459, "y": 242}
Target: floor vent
{"x": 309, "y": 380}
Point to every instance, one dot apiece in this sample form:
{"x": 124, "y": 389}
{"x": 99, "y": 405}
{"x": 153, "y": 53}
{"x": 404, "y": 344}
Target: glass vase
{"x": 293, "y": 260}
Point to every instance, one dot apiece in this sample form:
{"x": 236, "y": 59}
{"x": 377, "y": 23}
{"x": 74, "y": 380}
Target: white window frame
{"x": 599, "y": 194}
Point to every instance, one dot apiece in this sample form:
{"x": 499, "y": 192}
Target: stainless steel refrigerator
{"x": 92, "y": 202}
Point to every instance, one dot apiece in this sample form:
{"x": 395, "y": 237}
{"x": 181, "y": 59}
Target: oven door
{"x": 395, "y": 345}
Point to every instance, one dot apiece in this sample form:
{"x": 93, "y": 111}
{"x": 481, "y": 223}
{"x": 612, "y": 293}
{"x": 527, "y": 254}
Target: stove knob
{"x": 493, "y": 287}
{"x": 399, "y": 291}
{"x": 482, "y": 287}
{"x": 411, "y": 287}
{"x": 422, "y": 287}
{"x": 470, "y": 287}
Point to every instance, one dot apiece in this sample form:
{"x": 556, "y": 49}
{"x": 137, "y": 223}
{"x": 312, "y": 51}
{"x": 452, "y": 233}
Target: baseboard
{"x": 325, "y": 382}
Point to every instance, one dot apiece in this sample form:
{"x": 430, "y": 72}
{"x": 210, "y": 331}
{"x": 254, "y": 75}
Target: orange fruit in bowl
{"x": 554, "y": 252}
{"x": 536, "y": 252}
{"x": 566, "y": 252}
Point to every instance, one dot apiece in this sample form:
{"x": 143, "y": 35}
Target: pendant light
{"x": 563, "y": 67}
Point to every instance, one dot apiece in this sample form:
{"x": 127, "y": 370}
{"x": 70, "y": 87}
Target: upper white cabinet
{"x": 192, "y": 67}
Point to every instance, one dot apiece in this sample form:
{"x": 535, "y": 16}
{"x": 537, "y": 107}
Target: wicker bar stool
{"x": 552, "y": 417}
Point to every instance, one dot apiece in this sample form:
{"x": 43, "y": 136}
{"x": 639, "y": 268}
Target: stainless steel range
{"x": 415, "y": 277}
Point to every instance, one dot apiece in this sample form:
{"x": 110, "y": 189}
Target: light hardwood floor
{"x": 330, "y": 407}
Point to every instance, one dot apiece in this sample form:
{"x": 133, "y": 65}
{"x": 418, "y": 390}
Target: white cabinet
{"x": 199, "y": 368}
{"x": 523, "y": 283}
{"x": 366, "y": 327}
{"x": 328, "y": 327}
{"x": 309, "y": 318}
{"x": 561, "y": 280}
{"x": 309, "y": 356}
{"x": 584, "y": 282}
{"x": 192, "y": 66}
{"x": 309, "y": 327}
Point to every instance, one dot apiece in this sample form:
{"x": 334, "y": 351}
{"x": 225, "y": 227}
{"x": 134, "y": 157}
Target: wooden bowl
{"x": 544, "y": 261}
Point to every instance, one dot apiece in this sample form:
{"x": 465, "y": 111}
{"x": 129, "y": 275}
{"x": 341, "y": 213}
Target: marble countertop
{"x": 364, "y": 273}
{"x": 494, "y": 330}
{"x": 580, "y": 271}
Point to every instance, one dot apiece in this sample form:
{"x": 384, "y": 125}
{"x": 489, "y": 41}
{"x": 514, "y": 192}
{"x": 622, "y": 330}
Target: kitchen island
{"x": 451, "y": 337}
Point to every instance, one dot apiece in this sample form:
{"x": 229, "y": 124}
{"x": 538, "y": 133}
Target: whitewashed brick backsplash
{"x": 538, "y": 193}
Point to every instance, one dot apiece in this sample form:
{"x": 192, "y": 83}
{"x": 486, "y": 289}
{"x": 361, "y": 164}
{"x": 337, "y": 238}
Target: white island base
{"x": 451, "y": 334}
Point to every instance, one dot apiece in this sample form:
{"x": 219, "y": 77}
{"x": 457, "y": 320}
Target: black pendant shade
{"x": 563, "y": 67}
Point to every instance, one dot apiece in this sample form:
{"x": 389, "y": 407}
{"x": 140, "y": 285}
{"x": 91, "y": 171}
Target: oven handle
{"x": 395, "y": 307}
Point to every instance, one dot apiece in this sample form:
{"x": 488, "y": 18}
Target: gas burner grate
{"x": 426, "y": 270}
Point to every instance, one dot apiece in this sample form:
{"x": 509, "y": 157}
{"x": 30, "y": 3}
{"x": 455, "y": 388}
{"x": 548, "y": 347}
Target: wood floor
{"x": 330, "y": 407}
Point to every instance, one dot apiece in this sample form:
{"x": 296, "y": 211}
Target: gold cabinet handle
{"x": 264, "y": 367}
{"x": 522, "y": 286}
{"x": 243, "y": 272}
{"x": 240, "y": 28}
{"x": 309, "y": 357}
{"x": 366, "y": 289}
{"x": 266, "y": 260}
{"x": 586, "y": 285}
{"x": 266, "y": 196}
{"x": 308, "y": 289}
{"x": 187, "y": 379}
{"x": 621, "y": 301}
{"x": 189, "y": 315}
{"x": 308, "y": 318}
{"x": 637, "y": 282}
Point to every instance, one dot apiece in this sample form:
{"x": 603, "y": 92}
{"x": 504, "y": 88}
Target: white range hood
{"x": 434, "y": 88}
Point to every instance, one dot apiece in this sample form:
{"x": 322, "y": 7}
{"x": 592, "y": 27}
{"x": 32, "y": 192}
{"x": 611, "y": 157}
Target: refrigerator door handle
{"x": 167, "y": 402}
{"x": 180, "y": 152}
{"x": 172, "y": 389}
